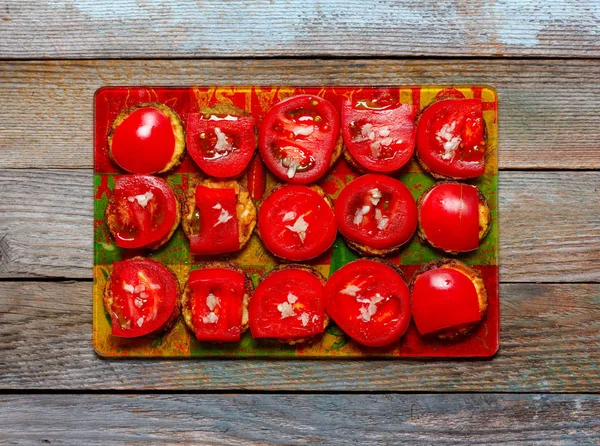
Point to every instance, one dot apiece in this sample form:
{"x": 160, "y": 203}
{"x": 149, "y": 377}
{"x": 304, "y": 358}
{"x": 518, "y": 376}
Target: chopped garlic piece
{"x": 300, "y": 226}
{"x": 292, "y": 298}
{"x": 154, "y": 286}
{"x": 217, "y": 206}
{"x": 223, "y": 144}
{"x": 384, "y": 131}
{"x": 304, "y": 317}
{"x": 224, "y": 217}
{"x": 286, "y": 310}
{"x": 315, "y": 318}
{"x": 212, "y": 318}
{"x": 289, "y": 216}
{"x": 141, "y": 199}
{"x": 140, "y": 321}
{"x": 212, "y": 301}
{"x": 449, "y": 141}
{"x": 144, "y": 295}
{"x": 293, "y": 167}
{"x": 371, "y": 309}
{"x": 139, "y": 288}
{"x": 129, "y": 288}
{"x": 138, "y": 302}
{"x": 381, "y": 220}
{"x": 360, "y": 213}
{"x": 303, "y": 130}
{"x": 351, "y": 290}
{"x": 375, "y": 196}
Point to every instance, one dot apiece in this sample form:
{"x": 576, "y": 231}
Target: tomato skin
{"x": 137, "y": 221}
{"x": 442, "y": 298}
{"x": 238, "y": 138}
{"x": 144, "y": 294}
{"x": 449, "y": 216}
{"x": 256, "y": 178}
{"x": 228, "y": 288}
{"x": 458, "y": 125}
{"x": 379, "y": 139}
{"x": 397, "y": 204}
{"x": 391, "y": 317}
{"x": 144, "y": 142}
{"x": 266, "y": 309}
{"x": 282, "y": 139}
{"x": 215, "y": 236}
{"x": 293, "y": 202}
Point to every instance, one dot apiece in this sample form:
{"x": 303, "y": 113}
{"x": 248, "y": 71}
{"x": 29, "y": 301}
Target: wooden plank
{"x": 547, "y": 109}
{"x": 549, "y": 225}
{"x": 152, "y": 29}
{"x": 298, "y": 419}
{"x": 550, "y": 335}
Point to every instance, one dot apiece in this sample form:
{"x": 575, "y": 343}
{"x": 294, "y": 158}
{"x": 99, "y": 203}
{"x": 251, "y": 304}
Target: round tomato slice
{"x": 215, "y": 297}
{"x": 296, "y": 222}
{"x": 145, "y": 139}
{"x": 451, "y": 138}
{"x": 444, "y": 297}
{"x": 141, "y": 297}
{"x": 297, "y": 138}
{"x": 288, "y": 304}
{"x": 369, "y": 301}
{"x": 142, "y": 211}
{"x": 449, "y": 216}
{"x": 221, "y": 144}
{"x": 379, "y": 132}
{"x": 376, "y": 211}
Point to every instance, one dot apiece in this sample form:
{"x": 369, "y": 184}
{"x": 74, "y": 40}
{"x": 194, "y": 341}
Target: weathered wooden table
{"x": 541, "y": 55}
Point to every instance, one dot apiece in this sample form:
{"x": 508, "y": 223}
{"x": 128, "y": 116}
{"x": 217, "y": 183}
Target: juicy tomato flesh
{"x": 217, "y": 296}
{"x": 287, "y": 305}
{"x": 443, "y": 298}
{"x": 222, "y": 146}
{"x": 144, "y": 142}
{"x": 376, "y": 211}
{"x": 144, "y": 297}
{"x": 369, "y": 301}
{"x": 379, "y": 132}
{"x": 215, "y": 222}
{"x": 449, "y": 216}
{"x": 450, "y": 138}
{"x": 144, "y": 210}
{"x": 297, "y": 138}
{"x": 296, "y": 223}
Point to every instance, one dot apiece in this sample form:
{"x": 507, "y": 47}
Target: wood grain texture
{"x": 550, "y": 336}
{"x": 299, "y": 419}
{"x": 547, "y": 109}
{"x": 154, "y": 29}
{"x": 549, "y": 225}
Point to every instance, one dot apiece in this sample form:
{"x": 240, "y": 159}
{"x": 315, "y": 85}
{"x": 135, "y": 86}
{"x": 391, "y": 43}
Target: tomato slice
{"x": 449, "y": 216}
{"x": 144, "y": 141}
{"x": 451, "y": 138}
{"x": 376, "y": 211}
{"x": 144, "y": 294}
{"x": 296, "y": 223}
{"x": 288, "y": 304}
{"x": 256, "y": 178}
{"x": 221, "y": 145}
{"x": 379, "y": 132}
{"x": 442, "y": 298}
{"x": 218, "y": 230}
{"x": 369, "y": 301}
{"x": 216, "y": 298}
{"x": 142, "y": 211}
{"x": 297, "y": 138}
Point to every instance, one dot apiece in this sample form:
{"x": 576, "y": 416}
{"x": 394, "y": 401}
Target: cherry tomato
{"x": 378, "y": 131}
{"x": 369, "y": 301}
{"x": 288, "y": 304}
{"x": 449, "y": 216}
{"x": 376, "y": 211}
{"x": 450, "y": 138}
{"x": 143, "y": 294}
{"x": 215, "y": 297}
{"x": 297, "y": 138}
{"x": 221, "y": 145}
{"x": 296, "y": 223}
{"x": 142, "y": 211}
{"x": 143, "y": 139}
{"x": 443, "y": 297}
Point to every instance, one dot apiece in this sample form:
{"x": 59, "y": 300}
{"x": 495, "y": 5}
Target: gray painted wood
{"x": 550, "y": 338}
{"x": 547, "y": 109}
{"x": 300, "y": 419}
{"x": 103, "y": 29}
{"x": 549, "y": 225}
